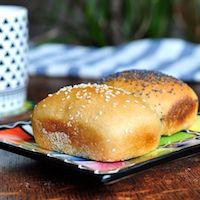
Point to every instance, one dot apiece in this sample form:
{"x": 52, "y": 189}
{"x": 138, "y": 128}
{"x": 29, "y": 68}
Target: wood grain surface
{"x": 24, "y": 178}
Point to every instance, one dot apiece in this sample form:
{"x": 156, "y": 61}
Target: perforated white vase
{"x": 13, "y": 58}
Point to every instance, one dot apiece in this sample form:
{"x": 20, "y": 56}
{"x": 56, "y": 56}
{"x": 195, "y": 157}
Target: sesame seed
{"x": 117, "y": 92}
{"x": 71, "y": 117}
{"x": 113, "y": 150}
{"x": 63, "y": 89}
{"x": 50, "y": 95}
{"x": 69, "y": 123}
{"x": 88, "y": 97}
{"x": 113, "y": 95}
{"x": 44, "y": 105}
{"x": 85, "y": 94}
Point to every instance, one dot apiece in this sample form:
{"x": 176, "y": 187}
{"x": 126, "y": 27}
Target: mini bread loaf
{"x": 99, "y": 122}
{"x": 174, "y": 101}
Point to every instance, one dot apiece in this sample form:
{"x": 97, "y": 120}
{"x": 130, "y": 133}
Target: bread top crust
{"x": 173, "y": 100}
{"x": 100, "y": 106}
{"x": 92, "y": 115}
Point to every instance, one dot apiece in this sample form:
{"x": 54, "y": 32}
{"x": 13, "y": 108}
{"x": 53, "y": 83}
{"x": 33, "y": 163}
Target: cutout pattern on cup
{"x": 13, "y": 61}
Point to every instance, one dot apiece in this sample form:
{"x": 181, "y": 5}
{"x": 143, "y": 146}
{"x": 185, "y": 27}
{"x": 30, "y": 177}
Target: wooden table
{"x": 24, "y": 178}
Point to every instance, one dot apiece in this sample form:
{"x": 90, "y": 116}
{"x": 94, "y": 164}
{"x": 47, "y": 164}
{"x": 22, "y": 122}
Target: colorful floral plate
{"x": 18, "y": 138}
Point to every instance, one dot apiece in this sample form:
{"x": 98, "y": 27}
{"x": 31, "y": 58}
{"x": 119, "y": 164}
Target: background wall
{"x": 110, "y": 22}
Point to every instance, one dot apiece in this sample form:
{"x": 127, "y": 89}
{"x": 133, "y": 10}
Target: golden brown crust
{"x": 174, "y": 101}
{"x": 96, "y": 121}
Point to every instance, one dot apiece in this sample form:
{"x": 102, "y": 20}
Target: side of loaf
{"x": 99, "y": 122}
{"x": 174, "y": 101}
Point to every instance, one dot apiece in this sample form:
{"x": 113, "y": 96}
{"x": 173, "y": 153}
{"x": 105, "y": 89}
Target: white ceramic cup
{"x": 13, "y": 58}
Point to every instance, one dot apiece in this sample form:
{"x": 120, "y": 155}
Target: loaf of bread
{"x": 94, "y": 121}
{"x": 174, "y": 101}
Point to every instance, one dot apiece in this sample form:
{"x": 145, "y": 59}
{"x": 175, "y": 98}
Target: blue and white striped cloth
{"x": 175, "y": 57}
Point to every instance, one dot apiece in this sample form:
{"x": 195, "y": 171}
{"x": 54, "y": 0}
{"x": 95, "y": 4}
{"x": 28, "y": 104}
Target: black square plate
{"x": 18, "y": 138}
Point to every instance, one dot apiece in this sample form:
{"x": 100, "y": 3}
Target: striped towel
{"x": 175, "y": 57}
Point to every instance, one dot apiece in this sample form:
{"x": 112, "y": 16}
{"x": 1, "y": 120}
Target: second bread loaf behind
{"x": 174, "y": 101}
